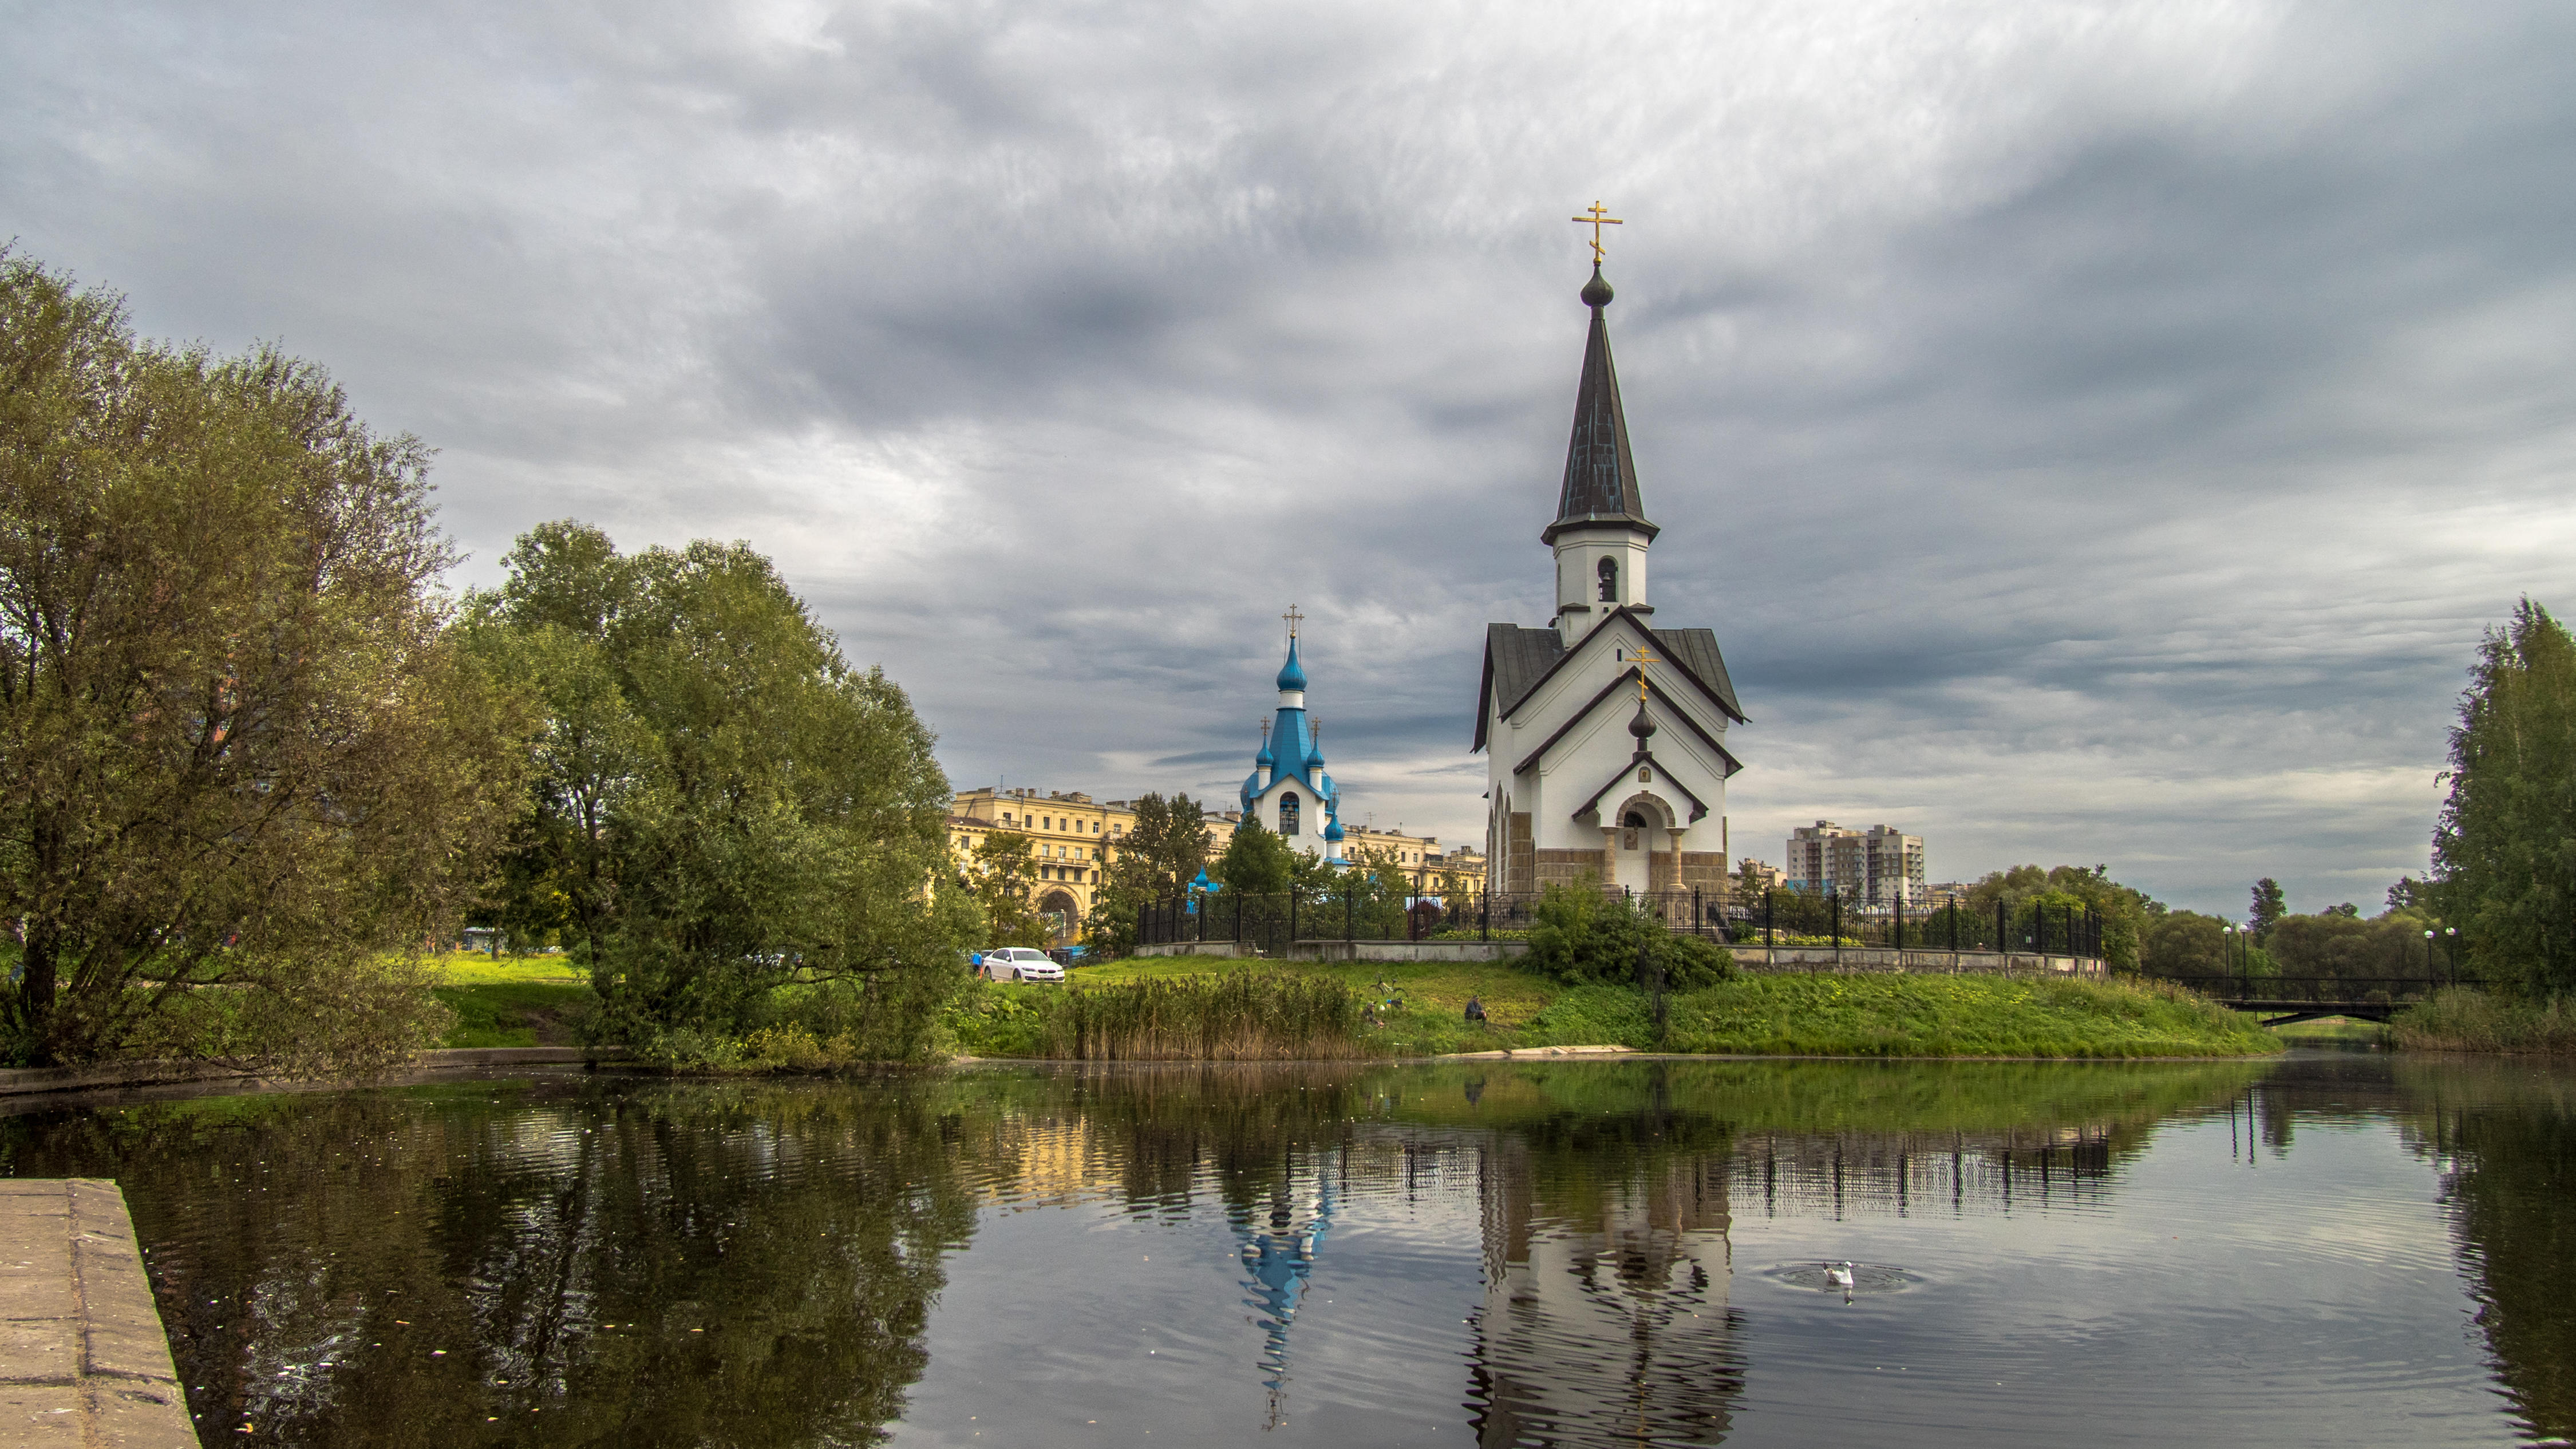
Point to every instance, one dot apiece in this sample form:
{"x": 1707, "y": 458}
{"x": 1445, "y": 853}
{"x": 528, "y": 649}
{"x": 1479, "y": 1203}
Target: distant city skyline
{"x": 2095, "y": 434}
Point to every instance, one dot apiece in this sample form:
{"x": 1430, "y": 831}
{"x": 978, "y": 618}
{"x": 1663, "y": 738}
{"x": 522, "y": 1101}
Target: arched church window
{"x": 1288, "y": 813}
{"x": 1609, "y": 572}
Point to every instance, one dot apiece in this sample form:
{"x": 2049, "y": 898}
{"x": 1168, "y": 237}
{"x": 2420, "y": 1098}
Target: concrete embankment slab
{"x": 83, "y": 1359}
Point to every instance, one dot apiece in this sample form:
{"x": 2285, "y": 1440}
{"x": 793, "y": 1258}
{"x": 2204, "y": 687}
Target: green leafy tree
{"x": 236, "y": 740}
{"x": 2267, "y": 910}
{"x": 723, "y": 804}
{"x": 2185, "y": 943}
{"x": 2023, "y": 890}
{"x": 1256, "y": 861}
{"x": 1002, "y": 877}
{"x": 1161, "y": 853}
{"x": 2505, "y": 851}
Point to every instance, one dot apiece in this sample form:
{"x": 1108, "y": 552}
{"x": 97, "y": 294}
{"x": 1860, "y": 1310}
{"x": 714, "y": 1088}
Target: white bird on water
{"x": 1839, "y": 1276}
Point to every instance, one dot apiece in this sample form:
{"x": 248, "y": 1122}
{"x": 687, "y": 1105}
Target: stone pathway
{"x": 83, "y": 1361}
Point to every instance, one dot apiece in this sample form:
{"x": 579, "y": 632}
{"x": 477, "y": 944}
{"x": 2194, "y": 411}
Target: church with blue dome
{"x": 1288, "y": 791}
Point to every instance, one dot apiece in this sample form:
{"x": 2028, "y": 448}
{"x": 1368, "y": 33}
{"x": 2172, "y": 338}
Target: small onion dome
{"x": 1290, "y": 675}
{"x": 1265, "y": 757}
{"x": 1333, "y": 832}
{"x": 1596, "y": 293}
{"x": 1642, "y": 726}
{"x": 1315, "y": 755}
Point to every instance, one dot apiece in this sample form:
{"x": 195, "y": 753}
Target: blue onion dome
{"x": 1315, "y": 755}
{"x": 1290, "y": 675}
{"x": 1265, "y": 757}
{"x": 1333, "y": 832}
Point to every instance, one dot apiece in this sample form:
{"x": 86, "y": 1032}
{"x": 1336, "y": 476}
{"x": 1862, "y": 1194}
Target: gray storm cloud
{"x": 2096, "y": 433}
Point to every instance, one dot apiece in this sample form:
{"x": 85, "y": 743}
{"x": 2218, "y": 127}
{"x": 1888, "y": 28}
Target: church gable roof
{"x": 1699, "y": 807}
{"x": 1726, "y": 760}
{"x": 1518, "y": 660}
{"x": 1695, "y": 650}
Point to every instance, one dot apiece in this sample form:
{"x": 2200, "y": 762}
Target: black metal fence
{"x": 1775, "y": 918}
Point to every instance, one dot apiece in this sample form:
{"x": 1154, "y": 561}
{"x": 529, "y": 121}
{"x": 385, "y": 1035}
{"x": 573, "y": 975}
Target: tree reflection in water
{"x": 689, "y": 1265}
{"x": 2506, "y": 1133}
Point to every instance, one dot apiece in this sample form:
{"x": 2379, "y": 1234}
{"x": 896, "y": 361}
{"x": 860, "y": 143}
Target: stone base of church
{"x": 1703, "y": 870}
{"x": 1565, "y": 867}
{"x": 1519, "y": 854}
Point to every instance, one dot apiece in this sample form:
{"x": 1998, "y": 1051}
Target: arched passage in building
{"x": 1062, "y": 914}
{"x": 1642, "y": 828}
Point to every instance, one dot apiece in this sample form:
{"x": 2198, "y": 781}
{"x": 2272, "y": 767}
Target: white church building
{"x": 1605, "y": 735}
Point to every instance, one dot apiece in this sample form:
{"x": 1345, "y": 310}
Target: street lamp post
{"x": 2226, "y": 950}
{"x": 2451, "y": 945}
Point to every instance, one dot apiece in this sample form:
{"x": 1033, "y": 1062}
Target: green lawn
{"x": 1929, "y": 1016}
{"x": 2333, "y": 1029}
{"x": 515, "y": 1001}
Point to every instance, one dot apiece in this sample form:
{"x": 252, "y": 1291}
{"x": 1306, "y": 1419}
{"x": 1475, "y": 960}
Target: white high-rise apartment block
{"x": 1880, "y": 866}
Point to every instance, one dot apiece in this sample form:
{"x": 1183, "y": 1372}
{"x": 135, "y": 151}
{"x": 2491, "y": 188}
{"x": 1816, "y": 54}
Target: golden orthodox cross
{"x": 1598, "y": 217}
{"x": 1643, "y": 659}
{"x": 1294, "y": 619}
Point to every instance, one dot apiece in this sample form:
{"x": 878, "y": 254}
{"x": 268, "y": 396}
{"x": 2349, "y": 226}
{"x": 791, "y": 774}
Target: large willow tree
{"x": 2504, "y": 856}
{"x": 721, "y": 805}
{"x": 236, "y": 746}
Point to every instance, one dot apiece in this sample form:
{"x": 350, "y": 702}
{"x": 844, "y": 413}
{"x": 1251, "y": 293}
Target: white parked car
{"x": 1020, "y": 963}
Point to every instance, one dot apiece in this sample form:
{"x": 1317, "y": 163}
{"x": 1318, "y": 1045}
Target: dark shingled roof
{"x": 1517, "y": 658}
{"x": 1696, "y": 651}
{"x": 1600, "y": 472}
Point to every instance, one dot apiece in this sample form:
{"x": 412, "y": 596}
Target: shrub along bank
{"x": 2461, "y": 1019}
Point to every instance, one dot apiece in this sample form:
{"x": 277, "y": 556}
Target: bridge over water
{"x": 2285, "y": 1000}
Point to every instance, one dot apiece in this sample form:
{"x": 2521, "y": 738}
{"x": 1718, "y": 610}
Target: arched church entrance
{"x": 1642, "y": 831}
{"x": 1062, "y": 916}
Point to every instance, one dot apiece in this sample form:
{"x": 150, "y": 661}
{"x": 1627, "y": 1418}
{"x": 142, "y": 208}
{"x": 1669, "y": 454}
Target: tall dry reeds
{"x": 1239, "y": 1016}
{"x": 2459, "y": 1019}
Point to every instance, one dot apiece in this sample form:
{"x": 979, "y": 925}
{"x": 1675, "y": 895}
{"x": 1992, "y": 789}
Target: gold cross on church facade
{"x": 1643, "y": 659}
{"x": 1598, "y": 217}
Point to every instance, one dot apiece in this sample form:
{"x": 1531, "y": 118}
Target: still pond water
{"x": 2322, "y": 1249}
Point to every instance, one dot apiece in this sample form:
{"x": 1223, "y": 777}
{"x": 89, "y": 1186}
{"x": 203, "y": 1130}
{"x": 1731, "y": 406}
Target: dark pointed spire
{"x": 1600, "y": 472}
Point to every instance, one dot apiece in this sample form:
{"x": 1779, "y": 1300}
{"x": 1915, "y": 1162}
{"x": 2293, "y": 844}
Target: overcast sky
{"x": 2097, "y": 433}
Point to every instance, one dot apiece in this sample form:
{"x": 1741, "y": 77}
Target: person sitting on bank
{"x": 1475, "y": 1009}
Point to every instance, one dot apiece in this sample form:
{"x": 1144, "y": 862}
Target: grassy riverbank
{"x": 516, "y": 1001}
{"x": 2459, "y": 1019}
{"x": 1419, "y": 1011}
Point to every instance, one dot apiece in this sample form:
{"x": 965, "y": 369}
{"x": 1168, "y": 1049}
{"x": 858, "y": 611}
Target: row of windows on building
{"x": 1049, "y": 822}
{"x": 1047, "y": 850}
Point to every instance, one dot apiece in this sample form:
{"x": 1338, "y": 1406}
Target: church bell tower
{"x": 1600, "y": 534}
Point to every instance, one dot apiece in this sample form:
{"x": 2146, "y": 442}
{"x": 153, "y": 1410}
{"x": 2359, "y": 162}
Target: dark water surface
{"x": 2325, "y": 1249}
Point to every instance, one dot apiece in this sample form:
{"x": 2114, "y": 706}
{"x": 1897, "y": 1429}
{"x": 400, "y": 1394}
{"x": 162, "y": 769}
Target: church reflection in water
{"x": 1605, "y": 1244}
{"x": 1605, "y": 1316}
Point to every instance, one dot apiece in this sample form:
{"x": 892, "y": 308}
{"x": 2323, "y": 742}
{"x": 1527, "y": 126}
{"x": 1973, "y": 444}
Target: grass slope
{"x": 1879, "y": 1016}
{"x": 515, "y": 1001}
